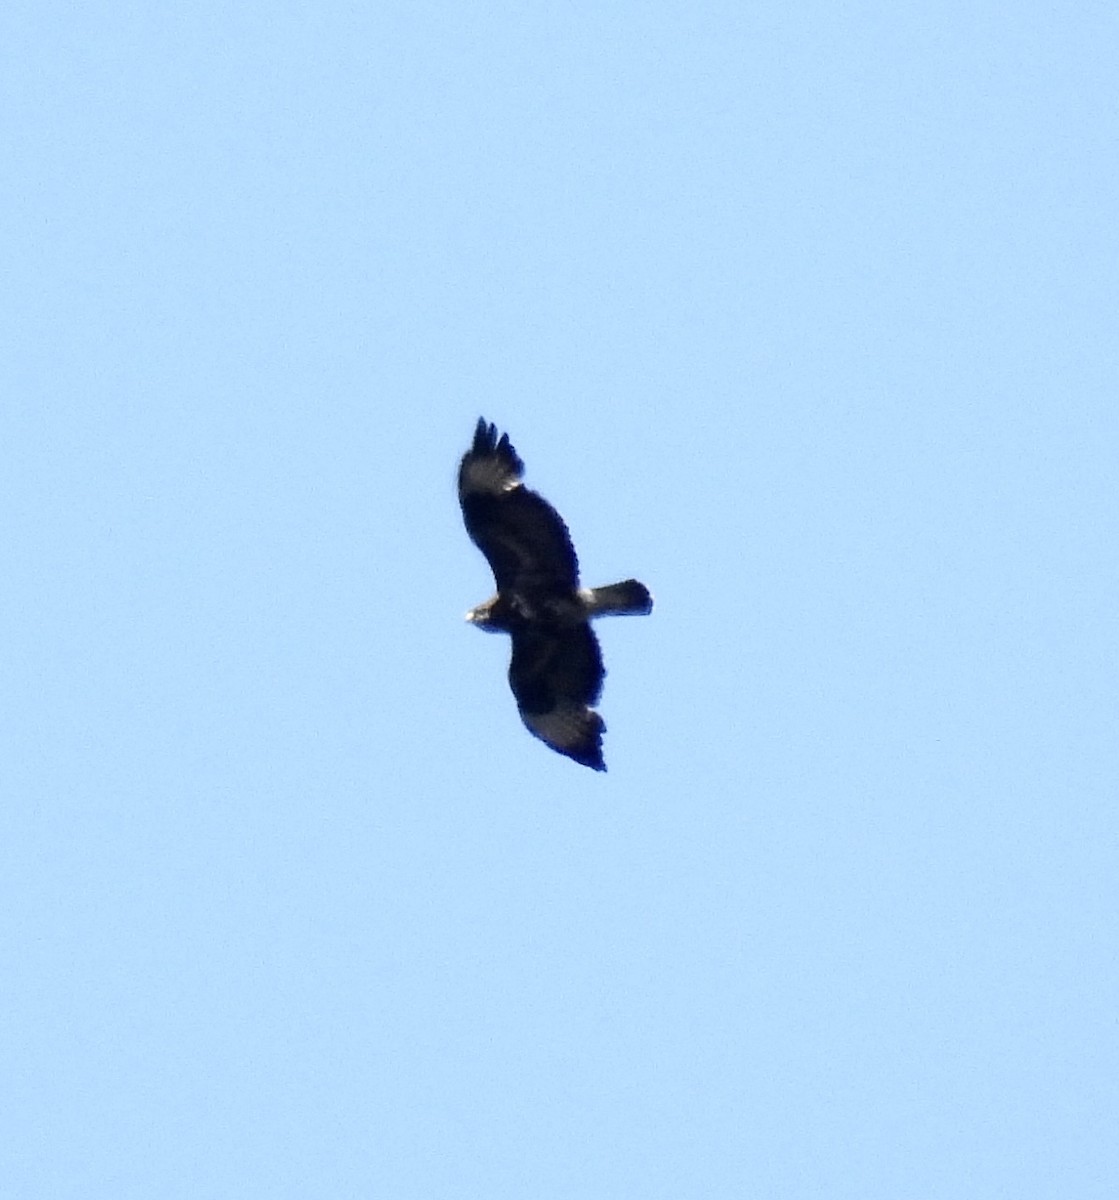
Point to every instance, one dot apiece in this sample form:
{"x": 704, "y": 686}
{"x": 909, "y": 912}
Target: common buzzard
{"x": 556, "y": 669}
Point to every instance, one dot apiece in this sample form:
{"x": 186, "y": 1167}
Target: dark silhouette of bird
{"x": 556, "y": 669}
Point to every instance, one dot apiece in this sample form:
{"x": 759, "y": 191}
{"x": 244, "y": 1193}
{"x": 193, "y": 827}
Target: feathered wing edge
{"x": 522, "y": 536}
{"x": 556, "y": 675}
{"x": 491, "y": 465}
{"x": 573, "y": 730}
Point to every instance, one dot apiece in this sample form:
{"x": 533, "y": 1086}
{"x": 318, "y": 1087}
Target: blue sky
{"x": 805, "y": 315}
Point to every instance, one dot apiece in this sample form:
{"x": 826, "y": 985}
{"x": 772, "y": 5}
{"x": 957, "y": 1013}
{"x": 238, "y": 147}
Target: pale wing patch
{"x": 566, "y": 726}
{"x": 488, "y": 474}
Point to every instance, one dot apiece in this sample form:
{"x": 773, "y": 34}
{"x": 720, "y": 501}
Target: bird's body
{"x": 556, "y": 670}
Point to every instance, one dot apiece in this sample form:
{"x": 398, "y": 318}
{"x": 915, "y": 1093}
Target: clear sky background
{"x": 807, "y": 315}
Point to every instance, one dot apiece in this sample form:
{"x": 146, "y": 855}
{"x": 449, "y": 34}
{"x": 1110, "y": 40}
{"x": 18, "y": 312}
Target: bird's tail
{"x": 620, "y": 599}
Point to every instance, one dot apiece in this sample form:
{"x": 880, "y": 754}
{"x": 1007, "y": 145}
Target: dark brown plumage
{"x": 556, "y": 669}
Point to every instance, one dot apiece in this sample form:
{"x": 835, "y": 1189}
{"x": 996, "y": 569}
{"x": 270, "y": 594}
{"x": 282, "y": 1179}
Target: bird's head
{"x": 483, "y": 616}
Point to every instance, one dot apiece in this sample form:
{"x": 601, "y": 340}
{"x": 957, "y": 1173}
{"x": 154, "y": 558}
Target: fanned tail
{"x": 620, "y": 599}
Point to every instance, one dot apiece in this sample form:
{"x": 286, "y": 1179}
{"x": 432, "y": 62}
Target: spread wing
{"x": 519, "y": 532}
{"x": 556, "y": 675}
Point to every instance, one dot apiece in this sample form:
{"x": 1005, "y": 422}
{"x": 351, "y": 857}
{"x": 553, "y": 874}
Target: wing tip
{"x": 585, "y": 756}
{"x": 485, "y": 437}
{"x": 489, "y": 447}
{"x": 573, "y": 731}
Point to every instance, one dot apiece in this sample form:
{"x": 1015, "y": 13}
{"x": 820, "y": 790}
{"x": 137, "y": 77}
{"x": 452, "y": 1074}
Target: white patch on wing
{"x": 488, "y": 475}
{"x": 565, "y": 727}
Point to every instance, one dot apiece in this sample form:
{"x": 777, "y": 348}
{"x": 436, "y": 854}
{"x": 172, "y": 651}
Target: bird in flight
{"x": 556, "y": 668}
